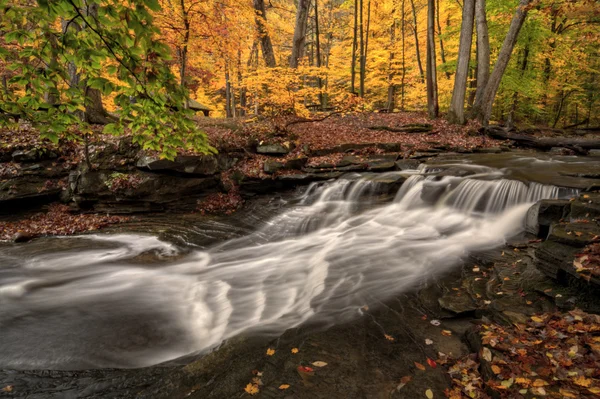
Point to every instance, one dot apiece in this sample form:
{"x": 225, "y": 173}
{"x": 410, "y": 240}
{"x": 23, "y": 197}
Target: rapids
{"x": 92, "y": 301}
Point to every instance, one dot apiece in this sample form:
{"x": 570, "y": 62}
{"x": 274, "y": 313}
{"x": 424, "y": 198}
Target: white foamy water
{"x": 321, "y": 260}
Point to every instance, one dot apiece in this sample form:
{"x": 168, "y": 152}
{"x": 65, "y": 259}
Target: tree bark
{"x": 299, "y": 33}
{"x": 354, "y": 48}
{"x": 483, "y": 109}
{"x": 391, "y": 95}
{"x": 318, "y": 53}
{"x": 417, "y": 47}
{"x": 265, "y": 40}
{"x": 361, "y": 89}
{"x": 363, "y": 58}
{"x": 403, "y": 79}
{"x": 432, "y": 87}
{"x": 456, "y": 113}
{"x": 439, "y": 26}
{"x": 483, "y": 48}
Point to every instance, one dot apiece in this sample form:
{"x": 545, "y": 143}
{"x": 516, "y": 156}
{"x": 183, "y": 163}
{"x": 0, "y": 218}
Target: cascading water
{"x": 92, "y": 304}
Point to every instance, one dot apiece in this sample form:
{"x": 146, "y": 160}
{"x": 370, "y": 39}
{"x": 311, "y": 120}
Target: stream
{"x": 162, "y": 288}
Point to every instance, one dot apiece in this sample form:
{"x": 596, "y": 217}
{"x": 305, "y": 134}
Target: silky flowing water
{"x": 131, "y": 300}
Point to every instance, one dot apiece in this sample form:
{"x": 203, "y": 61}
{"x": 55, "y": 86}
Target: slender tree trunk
{"x": 403, "y": 79}
{"x": 363, "y": 58}
{"x": 483, "y": 49}
{"x": 186, "y": 40}
{"x": 361, "y": 90}
{"x": 299, "y": 33}
{"x": 417, "y": 47}
{"x": 456, "y": 114}
{"x": 318, "y": 53}
{"x": 391, "y": 95}
{"x": 432, "y": 87}
{"x": 228, "y": 110}
{"x": 354, "y": 48}
{"x": 265, "y": 40}
{"x": 5, "y": 84}
{"x": 439, "y": 26}
{"x": 484, "y": 111}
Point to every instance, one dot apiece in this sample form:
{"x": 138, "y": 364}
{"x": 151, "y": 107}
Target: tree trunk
{"x": 439, "y": 26}
{"x": 354, "y": 48}
{"x": 417, "y": 48}
{"x": 456, "y": 114}
{"x": 265, "y": 40}
{"x": 483, "y": 49}
{"x": 363, "y": 58}
{"x": 318, "y": 53}
{"x": 299, "y": 33}
{"x": 483, "y": 110}
{"x": 432, "y": 87}
{"x": 403, "y": 79}
{"x": 228, "y": 111}
{"x": 361, "y": 89}
{"x": 391, "y": 95}
{"x": 513, "y": 109}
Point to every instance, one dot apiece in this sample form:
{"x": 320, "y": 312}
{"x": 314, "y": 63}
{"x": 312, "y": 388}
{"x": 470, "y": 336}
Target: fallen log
{"x": 579, "y": 145}
{"x": 412, "y": 128}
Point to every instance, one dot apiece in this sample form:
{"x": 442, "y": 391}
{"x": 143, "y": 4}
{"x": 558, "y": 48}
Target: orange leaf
{"x": 420, "y": 366}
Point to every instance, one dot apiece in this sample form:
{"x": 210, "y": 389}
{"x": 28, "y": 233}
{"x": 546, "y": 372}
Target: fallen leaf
{"x": 403, "y": 381}
{"x": 389, "y": 337}
{"x": 305, "y": 369}
{"x": 446, "y": 333}
{"x": 252, "y": 389}
{"x": 270, "y": 352}
{"x": 435, "y": 322}
{"x": 284, "y": 386}
{"x": 496, "y": 369}
{"x": 567, "y": 394}
{"x": 295, "y": 350}
{"x": 319, "y": 363}
{"x": 539, "y": 383}
{"x": 486, "y": 354}
{"x": 537, "y": 319}
{"x": 429, "y": 394}
{"x": 428, "y": 341}
{"x": 431, "y": 363}
{"x": 420, "y": 366}
{"x": 8, "y": 388}
{"x": 582, "y": 381}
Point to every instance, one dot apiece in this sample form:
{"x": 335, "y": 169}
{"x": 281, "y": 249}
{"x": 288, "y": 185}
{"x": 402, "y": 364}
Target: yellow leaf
{"x": 537, "y": 319}
{"x": 251, "y": 389}
{"x": 486, "y": 354}
{"x": 582, "y": 381}
{"x": 446, "y": 333}
{"x": 270, "y": 352}
{"x": 567, "y": 394}
{"x": 539, "y": 383}
{"x": 594, "y": 390}
{"x": 429, "y": 394}
{"x": 294, "y": 350}
{"x": 496, "y": 369}
{"x": 284, "y": 386}
{"x": 319, "y": 364}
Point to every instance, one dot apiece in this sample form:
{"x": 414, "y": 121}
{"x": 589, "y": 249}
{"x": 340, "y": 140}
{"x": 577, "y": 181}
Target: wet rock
{"x": 552, "y": 258}
{"x": 587, "y": 206}
{"x": 544, "y": 213}
{"x": 272, "y": 167}
{"x": 350, "y": 147}
{"x": 28, "y": 191}
{"x": 201, "y": 165}
{"x": 296, "y": 163}
{"x": 490, "y": 150}
{"x": 457, "y": 304}
{"x": 21, "y": 237}
{"x": 387, "y": 183}
{"x": 576, "y": 235}
{"x": 26, "y": 156}
{"x": 381, "y": 166}
{"x": 274, "y": 149}
{"x": 594, "y": 153}
{"x": 407, "y": 164}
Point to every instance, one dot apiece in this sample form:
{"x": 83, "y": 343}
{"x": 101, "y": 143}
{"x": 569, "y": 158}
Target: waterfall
{"x": 338, "y": 247}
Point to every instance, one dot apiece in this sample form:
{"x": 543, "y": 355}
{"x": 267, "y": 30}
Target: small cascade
{"x": 97, "y": 305}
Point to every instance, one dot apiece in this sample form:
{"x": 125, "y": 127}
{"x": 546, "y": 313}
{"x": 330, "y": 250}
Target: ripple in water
{"x": 94, "y": 306}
